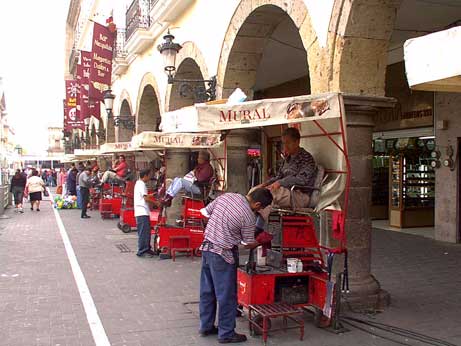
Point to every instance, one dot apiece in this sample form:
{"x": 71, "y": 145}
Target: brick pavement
{"x": 39, "y": 300}
{"x": 144, "y": 301}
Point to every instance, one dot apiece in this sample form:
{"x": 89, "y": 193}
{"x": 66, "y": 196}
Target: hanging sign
{"x": 72, "y": 94}
{"x": 83, "y": 78}
{"x": 150, "y": 139}
{"x": 267, "y": 112}
{"x": 66, "y": 125}
{"x": 101, "y": 61}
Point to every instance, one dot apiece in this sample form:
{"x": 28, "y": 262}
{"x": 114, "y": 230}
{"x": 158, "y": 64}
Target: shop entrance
{"x": 404, "y": 181}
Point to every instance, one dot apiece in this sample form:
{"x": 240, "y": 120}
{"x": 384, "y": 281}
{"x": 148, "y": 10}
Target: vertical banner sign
{"x": 66, "y": 121}
{"x": 95, "y": 108}
{"x": 71, "y": 105}
{"x": 83, "y": 77}
{"x": 101, "y": 61}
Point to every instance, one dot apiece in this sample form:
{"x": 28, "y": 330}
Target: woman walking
{"x": 18, "y": 184}
{"x": 35, "y": 186}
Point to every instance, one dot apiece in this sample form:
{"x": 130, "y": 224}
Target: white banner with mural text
{"x": 150, "y": 139}
{"x": 113, "y": 148}
{"x": 266, "y": 112}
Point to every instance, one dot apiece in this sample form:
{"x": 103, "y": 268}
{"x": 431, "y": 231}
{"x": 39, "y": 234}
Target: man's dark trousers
{"x": 144, "y": 234}
{"x": 217, "y": 286}
{"x": 85, "y": 193}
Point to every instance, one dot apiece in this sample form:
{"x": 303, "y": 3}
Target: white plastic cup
{"x": 292, "y": 265}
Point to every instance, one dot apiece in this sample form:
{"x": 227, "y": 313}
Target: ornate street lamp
{"x": 109, "y": 102}
{"x": 169, "y": 50}
{"x": 127, "y": 121}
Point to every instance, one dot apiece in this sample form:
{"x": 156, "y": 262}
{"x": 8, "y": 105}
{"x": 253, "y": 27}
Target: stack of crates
{"x": 105, "y": 209}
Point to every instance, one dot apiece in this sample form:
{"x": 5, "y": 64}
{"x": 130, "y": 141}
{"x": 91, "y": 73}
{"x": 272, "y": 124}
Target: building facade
{"x": 272, "y": 48}
{"x": 55, "y": 142}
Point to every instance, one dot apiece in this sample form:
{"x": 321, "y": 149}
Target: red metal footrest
{"x": 268, "y": 311}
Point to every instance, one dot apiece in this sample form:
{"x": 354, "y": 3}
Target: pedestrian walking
{"x": 141, "y": 212}
{"x": 35, "y": 186}
{"x": 18, "y": 184}
{"x": 84, "y": 182}
{"x": 232, "y": 221}
{"x": 71, "y": 182}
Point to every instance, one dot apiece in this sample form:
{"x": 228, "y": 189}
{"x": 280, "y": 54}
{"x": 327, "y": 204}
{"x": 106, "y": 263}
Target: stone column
{"x": 365, "y": 290}
{"x": 110, "y": 131}
{"x": 177, "y": 165}
{"x": 238, "y": 141}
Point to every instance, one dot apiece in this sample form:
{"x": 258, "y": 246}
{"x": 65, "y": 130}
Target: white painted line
{"x": 97, "y": 329}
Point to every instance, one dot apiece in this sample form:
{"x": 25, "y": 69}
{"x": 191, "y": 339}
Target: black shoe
{"x": 145, "y": 254}
{"x": 38, "y": 209}
{"x": 233, "y": 339}
{"x": 212, "y": 331}
{"x": 32, "y": 208}
{"x": 86, "y": 217}
{"x": 153, "y": 253}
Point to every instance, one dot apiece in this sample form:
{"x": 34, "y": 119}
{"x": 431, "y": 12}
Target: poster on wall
{"x": 101, "y": 61}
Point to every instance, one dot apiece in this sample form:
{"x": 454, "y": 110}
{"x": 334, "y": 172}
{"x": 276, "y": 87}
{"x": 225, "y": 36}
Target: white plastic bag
{"x": 236, "y": 97}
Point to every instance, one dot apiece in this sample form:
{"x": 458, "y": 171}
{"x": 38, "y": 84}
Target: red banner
{"x": 66, "y": 126}
{"x": 83, "y": 78}
{"x": 101, "y": 61}
{"x": 72, "y": 94}
{"x": 95, "y": 108}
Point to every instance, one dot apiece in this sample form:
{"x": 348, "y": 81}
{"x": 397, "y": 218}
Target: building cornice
{"x": 73, "y": 12}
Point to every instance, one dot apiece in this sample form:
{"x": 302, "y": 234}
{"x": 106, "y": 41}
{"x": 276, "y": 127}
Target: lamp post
{"x": 169, "y": 50}
{"x": 127, "y": 121}
{"x": 109, "y": 102}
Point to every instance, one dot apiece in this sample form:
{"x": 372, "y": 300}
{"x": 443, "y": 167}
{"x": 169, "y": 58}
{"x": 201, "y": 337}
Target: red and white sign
{"x": 71, "y": 114}
{"x": 83, "y": 78}
{"x": 101, "y": 61}
{"x": 205, "y": 118}
{"x": 150, "y": 139}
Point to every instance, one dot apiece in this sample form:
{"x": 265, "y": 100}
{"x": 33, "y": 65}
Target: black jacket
{"x": 18, "y": 181}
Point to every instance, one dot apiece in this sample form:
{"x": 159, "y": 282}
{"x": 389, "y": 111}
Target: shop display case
{"x": 412, "y": 191}
{"x": 380, "y": 188}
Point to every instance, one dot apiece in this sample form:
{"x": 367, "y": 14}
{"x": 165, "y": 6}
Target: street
{"x": 147, "y": 301}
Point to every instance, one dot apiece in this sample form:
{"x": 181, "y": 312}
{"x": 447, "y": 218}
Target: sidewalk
{"x": 145, "y": 301}
{"x": 39, "y": 301}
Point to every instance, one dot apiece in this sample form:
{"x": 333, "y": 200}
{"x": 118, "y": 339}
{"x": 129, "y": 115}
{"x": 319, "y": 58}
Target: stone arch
{"x": 183, "y": 94}
{"x": 191, "y": 60}
{"x": 121, "y": 133}
{"x": 148, "y": 114}
{"x": 359, "y": 38}
{"x": 250, "y": 27}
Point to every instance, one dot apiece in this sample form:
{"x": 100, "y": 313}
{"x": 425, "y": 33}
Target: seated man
{"x": 299, "y": 168}
{"x": 200, "y": 175}
{"x": 119, "y": 171}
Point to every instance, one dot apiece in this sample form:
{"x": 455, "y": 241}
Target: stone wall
{"x": 447, "y": 107}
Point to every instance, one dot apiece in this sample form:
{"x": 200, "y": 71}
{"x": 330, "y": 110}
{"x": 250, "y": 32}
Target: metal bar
{"x": 322, "y": 134}
{"x": 192, "y": 80}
